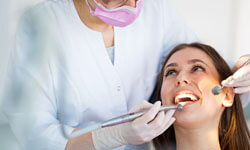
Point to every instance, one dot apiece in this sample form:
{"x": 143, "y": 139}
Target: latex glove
{"x": 240, "y": 80}
{"x": 139, "y": 131}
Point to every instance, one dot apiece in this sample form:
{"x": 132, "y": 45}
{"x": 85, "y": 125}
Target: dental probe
{"x": 119, "y": 120}
{"x": 132, "y": 116}
{"x": 217, "y": 88}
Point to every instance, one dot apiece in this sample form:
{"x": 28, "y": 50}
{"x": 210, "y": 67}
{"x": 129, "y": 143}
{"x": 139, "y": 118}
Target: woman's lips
{"x": 186, "y": 103}
{"x": 185, "y": 98}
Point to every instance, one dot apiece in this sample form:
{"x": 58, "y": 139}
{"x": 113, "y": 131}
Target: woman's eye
{"x": 198, "y": 68}
{"x": 170, "y": 72}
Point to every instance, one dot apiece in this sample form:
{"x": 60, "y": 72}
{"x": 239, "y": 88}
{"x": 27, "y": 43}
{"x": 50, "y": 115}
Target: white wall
{"x": 225, "y": 24}
{"x": 242, "y": 34}
{"x": 210, "y": 19}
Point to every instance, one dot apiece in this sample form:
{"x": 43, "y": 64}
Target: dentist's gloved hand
{"x": 240, "y": 80}
{"x": 139, "y": 131}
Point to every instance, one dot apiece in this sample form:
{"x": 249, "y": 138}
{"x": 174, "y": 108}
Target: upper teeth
{"x": 191, "y": 96}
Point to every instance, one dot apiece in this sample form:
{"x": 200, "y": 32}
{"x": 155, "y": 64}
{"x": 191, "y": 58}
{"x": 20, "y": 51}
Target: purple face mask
{"x": 119, "y": 17}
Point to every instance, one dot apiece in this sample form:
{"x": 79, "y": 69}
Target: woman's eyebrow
{"x": 197, "y": 60}
{"x": 189, "y": 62}
{"x": 171, "y": 65}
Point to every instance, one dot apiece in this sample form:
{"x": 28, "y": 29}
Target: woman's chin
{"x": 194, "y": 115}
{"x": 188, "y": 117}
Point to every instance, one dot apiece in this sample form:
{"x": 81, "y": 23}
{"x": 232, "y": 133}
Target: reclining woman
{"x": 207, "y": 121}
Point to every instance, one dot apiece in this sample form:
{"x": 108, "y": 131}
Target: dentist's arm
{"x": 139, "y": 131}
{"x": 82, "y": 142}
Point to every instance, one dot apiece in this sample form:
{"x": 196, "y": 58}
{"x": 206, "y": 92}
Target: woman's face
{"x": 189, "y": 76}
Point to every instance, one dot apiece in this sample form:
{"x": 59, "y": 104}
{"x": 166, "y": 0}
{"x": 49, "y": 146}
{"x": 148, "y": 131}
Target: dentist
{"x": 111, "y": 50}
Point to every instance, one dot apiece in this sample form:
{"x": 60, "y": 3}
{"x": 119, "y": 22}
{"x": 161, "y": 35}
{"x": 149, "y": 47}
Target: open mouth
{"x": 184, "y": 98}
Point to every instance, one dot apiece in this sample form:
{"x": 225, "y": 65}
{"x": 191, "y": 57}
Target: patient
{"x": 207, "y": 121}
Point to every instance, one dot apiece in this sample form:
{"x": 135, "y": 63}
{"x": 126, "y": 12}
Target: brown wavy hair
{"x": 233, "y": 130}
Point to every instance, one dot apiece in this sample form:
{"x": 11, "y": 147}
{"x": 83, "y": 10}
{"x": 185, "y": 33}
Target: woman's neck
{"x": 197, "y": 139}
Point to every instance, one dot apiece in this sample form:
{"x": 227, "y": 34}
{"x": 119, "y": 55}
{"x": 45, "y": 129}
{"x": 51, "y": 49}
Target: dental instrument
{"x": 217, "y": 88}
{"x": 117, "y": 120}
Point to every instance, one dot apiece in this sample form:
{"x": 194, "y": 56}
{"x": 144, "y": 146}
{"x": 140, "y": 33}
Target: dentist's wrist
{"x": 109, "y": 137}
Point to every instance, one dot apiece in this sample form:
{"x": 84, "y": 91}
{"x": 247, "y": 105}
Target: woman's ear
{"x": 229, "y": 96}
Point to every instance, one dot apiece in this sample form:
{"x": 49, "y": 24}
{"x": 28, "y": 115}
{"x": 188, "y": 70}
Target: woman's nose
{"x": 182, "y": 80}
